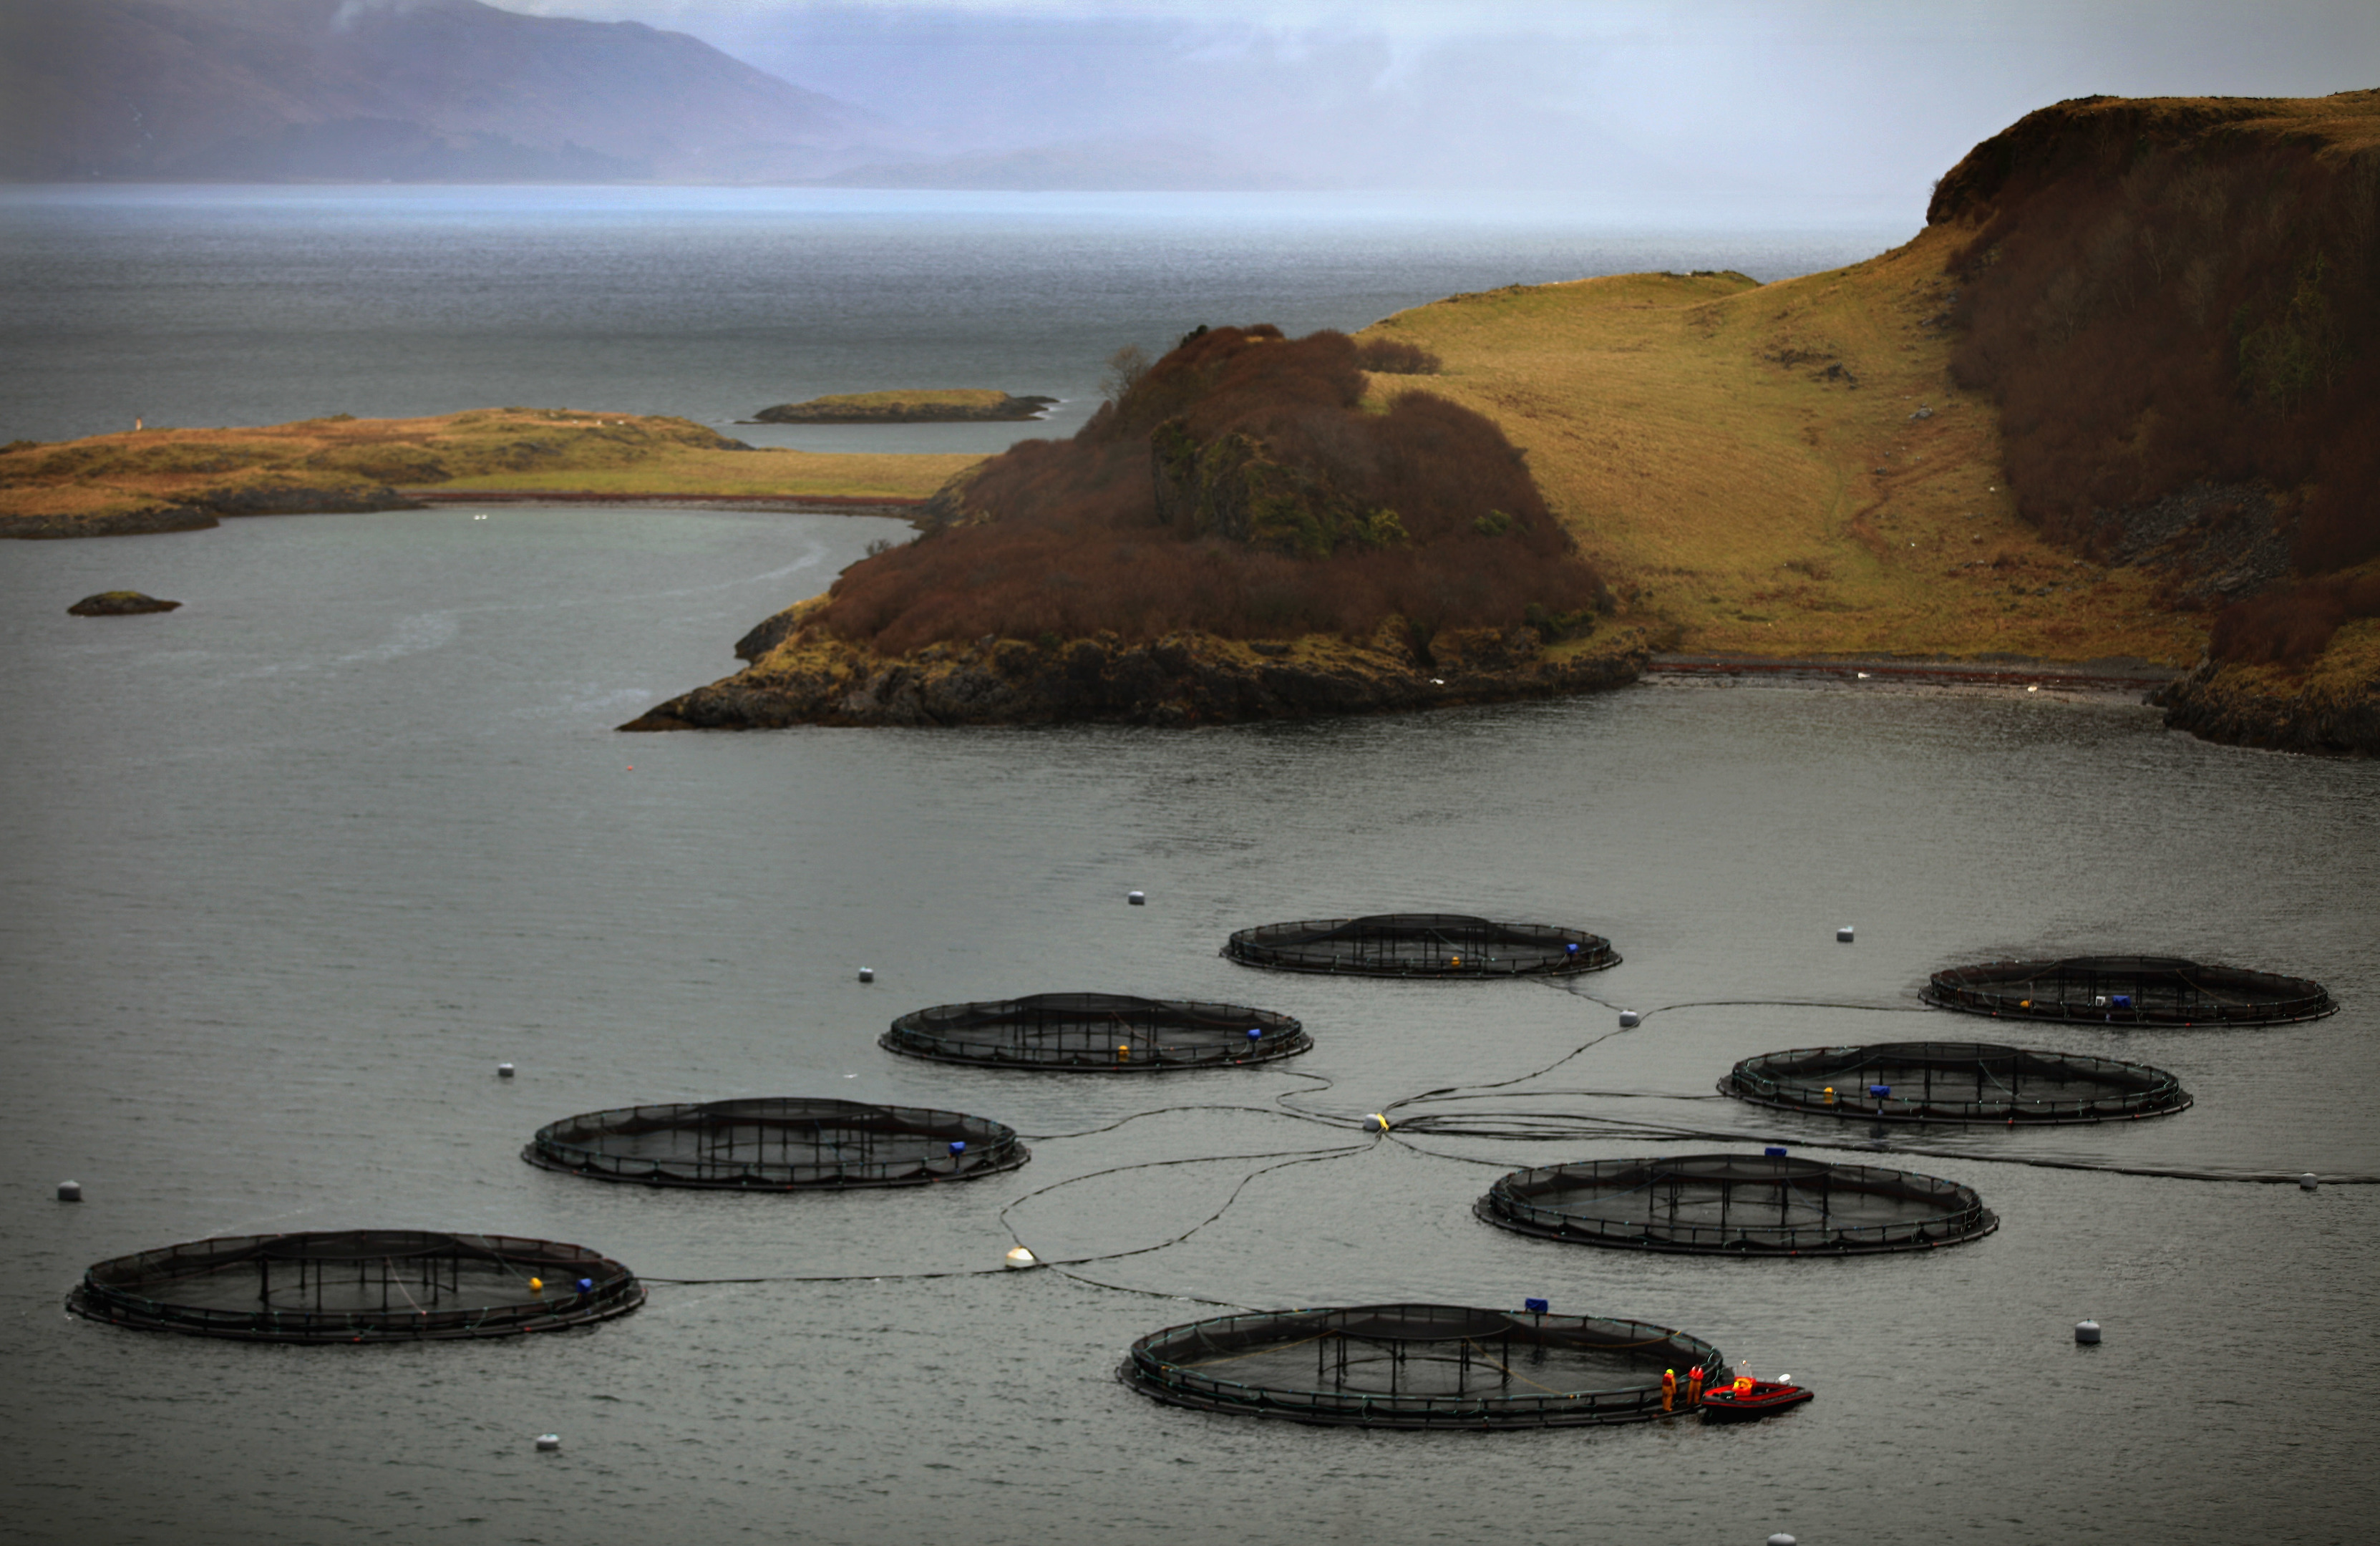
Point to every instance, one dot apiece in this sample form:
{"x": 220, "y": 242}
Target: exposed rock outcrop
{"x": 805, "y": 677}
{"x": 2220, "y": 542}
{"x": 2262, "y": 707}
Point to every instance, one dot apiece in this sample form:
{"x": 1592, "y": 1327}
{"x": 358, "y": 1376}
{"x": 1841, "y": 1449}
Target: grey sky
{"x": 1842, "y": 104}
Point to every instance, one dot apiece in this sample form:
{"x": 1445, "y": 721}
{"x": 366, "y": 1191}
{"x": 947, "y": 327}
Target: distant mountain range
{"x": 404, "y": 90}
{"x": 455, "y": 90}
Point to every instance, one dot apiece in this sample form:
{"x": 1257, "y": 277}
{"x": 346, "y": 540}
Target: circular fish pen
{"x": 2128, "y": 989}
{"x": 1738, "y": 1205}
{"x": 777, "y": 1145}
{"x": 358, "y": 1285}
{"x": 1955, "y": 1081}
{"x": 1096, "y": 1033}
{"x": 1421, "y": 945}
{"x": 1417, "y": 1366}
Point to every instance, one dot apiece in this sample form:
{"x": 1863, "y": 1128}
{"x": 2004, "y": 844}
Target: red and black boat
{"x": 1742, "y": 1400}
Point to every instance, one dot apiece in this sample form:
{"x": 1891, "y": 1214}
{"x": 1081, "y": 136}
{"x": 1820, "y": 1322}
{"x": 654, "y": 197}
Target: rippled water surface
{"x": 290, "y": 869}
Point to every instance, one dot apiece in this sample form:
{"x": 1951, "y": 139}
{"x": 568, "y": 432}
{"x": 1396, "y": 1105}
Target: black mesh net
{"x": 1418, "y": 1366}
{"x": 358, "y": 1285}
{"x": 1096, "y": 1033}
{"x": 777, "y": 1144}
{"x": 1955, "y": 1081}
{"x": 1738, "y": 1204}
{"x": 2128, "y": 989}
{"x": 1420, "y": 944}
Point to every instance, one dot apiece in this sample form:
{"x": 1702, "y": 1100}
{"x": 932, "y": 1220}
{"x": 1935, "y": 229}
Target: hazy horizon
{"x": 1800, "y": 110}
{"x": 1768, "y": 109}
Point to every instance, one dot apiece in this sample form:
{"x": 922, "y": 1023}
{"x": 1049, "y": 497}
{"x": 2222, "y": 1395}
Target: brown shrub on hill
{"x": 1396, "y": 356}
{"x": 2290, "y": 627}
{"x": 1235, "y": 487}
{"x": 2167, "y": 293}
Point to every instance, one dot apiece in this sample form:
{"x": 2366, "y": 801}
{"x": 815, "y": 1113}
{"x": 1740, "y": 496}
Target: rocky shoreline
{"x": 805, "y": 504}
{"x": 2247, "y": 706}
{"x": 800, "y": 677}
{"x": 2105, "y": 675}
{"x": 202, "y": 512}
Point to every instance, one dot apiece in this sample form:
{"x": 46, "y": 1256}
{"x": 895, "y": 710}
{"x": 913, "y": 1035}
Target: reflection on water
{"x": 292, "y": 869}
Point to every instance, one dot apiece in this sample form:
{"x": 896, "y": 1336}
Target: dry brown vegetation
{"x": 1746, "y": 466}
{"x": 1237, "y": 487}
{"x": 1917, "y": 454}
{"x": 516, "y": 450}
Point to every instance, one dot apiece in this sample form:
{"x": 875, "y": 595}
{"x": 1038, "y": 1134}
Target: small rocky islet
{"x": 119, "y": 604}
{"x": 949, "y": 406}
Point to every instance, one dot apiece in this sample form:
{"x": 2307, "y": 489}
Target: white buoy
{"x": 868, "y": 974}
{"x": 1630, "y": 1019}
{"x": 70, "y": 1191}
{"x": 1781, "y": 1539}
{"x": 2087, "y": 1332}
{"x": 1019, "y": 1258}
{"x": 504, "y": 1070}
{"x": 548, "y": 1443}
{"x": 1377, "y": 1117}
{"x": 2306, "y": 1183}
{"x": 1843, "y": 934}
{"x": 1137, "y": 898}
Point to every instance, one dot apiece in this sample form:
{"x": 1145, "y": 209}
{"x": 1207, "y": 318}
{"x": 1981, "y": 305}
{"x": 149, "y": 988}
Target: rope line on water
{"x": 1486, "y": 1127}
{"x": 1162, "y": 1111}
{"x": 1286, "y": 1157}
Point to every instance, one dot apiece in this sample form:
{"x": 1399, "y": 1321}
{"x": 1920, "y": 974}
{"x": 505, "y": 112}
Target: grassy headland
{"x": 177, "y": 479}
{"x": 1746, "y": 464}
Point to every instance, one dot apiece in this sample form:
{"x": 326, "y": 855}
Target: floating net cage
{"x": 358, "y": 1285}
{"x": 777, "y": 1144}
{"x": 1417, "y": 1366}
{"x": 2128, "y": 989}
{"x": 1955, "y": 1081}
{"x": 1738, "y": 1205}
{"x": 1097, "y": 1032}
{"x": 1421, "y": 945}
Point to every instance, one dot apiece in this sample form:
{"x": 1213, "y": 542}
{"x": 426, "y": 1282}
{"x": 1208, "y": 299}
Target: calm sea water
{"x": 290, "y": 869}
{"x": 261, "y": 305}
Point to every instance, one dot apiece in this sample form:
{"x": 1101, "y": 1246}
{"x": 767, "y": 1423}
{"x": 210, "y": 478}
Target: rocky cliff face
{"x": 805, "y": 677}
{"x": 2175, "y": 304}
